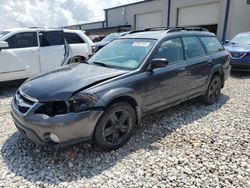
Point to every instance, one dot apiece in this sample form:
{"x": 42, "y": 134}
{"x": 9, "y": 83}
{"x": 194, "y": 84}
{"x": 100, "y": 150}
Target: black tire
{"x": 77, "y": 59}
{"x": 115, "y": 126}
{"x": 213, "y": 92}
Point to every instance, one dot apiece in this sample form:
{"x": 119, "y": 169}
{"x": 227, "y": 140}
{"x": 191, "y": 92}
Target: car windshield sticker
{"x": 141, "y": 44}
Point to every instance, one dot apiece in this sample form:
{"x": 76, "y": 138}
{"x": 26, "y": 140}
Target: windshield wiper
{"x": 101, "y": 64}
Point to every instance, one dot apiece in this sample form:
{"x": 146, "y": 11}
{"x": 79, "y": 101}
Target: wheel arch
{"x": 126, "y": 95}
{"x": 217, "y": 70}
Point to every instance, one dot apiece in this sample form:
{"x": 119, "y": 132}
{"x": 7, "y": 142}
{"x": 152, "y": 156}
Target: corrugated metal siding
{"x": 115, "y": 16}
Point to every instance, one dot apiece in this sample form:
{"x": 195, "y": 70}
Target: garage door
{"x": 199, "y": 15}
{"x": 143, "y": 21}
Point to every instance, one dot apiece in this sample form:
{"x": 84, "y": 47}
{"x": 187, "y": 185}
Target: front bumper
{"x": 70, "y": 128}
{"x": 240, "y": 65}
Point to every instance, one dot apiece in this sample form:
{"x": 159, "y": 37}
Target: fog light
{"x": 54, "y": 138}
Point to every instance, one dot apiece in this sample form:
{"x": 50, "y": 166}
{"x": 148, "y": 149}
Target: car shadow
{"x": 240, "y": 74}
{"x": 7, "y": 89}
{"x": 48, "y": 166}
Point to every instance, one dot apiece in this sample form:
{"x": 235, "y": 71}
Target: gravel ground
{"x": 191, "y": 145}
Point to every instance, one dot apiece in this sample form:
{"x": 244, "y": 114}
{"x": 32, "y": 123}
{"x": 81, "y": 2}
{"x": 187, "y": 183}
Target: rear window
{"x": 212, "y": 44}
{"x": 23, "y": 40}
{"x": 73, "y": 38}
{"x": 51, "y": 38}
{"x": 193, "y": 47}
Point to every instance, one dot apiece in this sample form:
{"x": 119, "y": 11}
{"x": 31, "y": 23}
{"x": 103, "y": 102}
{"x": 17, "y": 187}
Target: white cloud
{"x": 52, "y": 13}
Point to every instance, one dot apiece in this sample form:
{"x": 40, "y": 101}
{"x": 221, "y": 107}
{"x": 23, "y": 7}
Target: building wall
{"x": 239, "y": 18}
{"x": 126, "y": 15}
{"x": 177, "y": 4}
{"x": 93, "y": 25}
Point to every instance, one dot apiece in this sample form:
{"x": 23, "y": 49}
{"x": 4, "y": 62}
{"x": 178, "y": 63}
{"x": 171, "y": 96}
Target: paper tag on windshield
{"x": 141, "y": 44}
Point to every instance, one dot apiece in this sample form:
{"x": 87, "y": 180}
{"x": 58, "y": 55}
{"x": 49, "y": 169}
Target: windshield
{"x": 2, "y": 33}
{"x": 243, "y": 38}
{"x": 123, "y": 53}
{"x": 111, "y": 37}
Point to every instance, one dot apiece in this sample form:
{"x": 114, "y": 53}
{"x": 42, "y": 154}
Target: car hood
{"x": 237, "y": 48}
{"x": 62, "y": 83}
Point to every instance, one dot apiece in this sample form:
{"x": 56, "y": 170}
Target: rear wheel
{"x": 115, "y": 126}
{"x": 213, "y": 92}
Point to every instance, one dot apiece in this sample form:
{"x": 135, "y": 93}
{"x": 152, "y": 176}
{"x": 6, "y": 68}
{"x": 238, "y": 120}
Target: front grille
{"x": 22, "y": 103}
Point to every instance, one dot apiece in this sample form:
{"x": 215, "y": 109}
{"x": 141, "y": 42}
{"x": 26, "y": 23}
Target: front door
{"x": 52, "y": 49}
{"x": 168, "y": 85}
{"x": 21, "y": 59}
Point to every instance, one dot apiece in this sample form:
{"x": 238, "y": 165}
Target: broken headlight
{"x": 82, "y": 101}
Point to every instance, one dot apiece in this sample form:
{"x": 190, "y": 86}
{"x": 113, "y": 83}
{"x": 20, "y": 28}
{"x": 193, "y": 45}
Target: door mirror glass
{"x": 158, "y": 63}
{"x": 4, "y": 45}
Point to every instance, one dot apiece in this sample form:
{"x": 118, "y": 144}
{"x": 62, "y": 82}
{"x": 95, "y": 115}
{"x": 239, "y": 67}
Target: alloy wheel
{"x": 117, "y": 127}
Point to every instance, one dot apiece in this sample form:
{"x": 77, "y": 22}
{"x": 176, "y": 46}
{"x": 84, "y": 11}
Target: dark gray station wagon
{"x": 106, "y": 97}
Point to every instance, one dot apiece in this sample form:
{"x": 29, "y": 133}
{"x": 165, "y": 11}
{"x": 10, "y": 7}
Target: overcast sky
{"x": 25, "y": 13}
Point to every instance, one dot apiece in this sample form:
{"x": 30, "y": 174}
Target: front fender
{"x": 121, "y": 92}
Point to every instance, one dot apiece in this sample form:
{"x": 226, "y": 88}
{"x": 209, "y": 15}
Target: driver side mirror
{"x": 3, "y": 45}
{"x": 158, "y": 63}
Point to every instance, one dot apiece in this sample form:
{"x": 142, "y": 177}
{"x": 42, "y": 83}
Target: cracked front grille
{"x": 22, "y": 103}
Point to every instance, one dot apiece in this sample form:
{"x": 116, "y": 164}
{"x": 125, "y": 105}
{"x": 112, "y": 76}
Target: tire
{"x": 77, "y": 59}
{"x": 213, "y": 92}
{"x": 115, "y": 126}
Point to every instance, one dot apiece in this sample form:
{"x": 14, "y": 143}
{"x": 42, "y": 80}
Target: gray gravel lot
{"x": 191, "y": 145}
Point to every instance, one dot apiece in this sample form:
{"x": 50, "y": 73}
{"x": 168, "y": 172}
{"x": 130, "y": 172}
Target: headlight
{"x": 82, "y": 101}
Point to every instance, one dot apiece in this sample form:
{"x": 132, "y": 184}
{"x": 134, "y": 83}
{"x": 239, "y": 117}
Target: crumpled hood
{"x": 237, "y": 48}
{"x": 61, "y": 83}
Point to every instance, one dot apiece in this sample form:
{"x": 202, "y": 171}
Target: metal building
{"x": 226, "y": 18}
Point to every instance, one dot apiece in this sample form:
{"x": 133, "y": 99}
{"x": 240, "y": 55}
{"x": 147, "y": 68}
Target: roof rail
{"x": 175, "y": 29}
{"x": 171, "y": 29}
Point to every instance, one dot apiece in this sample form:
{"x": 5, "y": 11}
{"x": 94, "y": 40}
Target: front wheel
{"x": 115, "y": 126}
{"x": 213, "y": 92}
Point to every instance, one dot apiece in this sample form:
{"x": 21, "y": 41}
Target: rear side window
{"x": 23, "y": 40}
{"x": 193, "y": 47}
{"x": 171, "y": 50}
{"x": 51, "y": 38}
{"x": 73, "y": 38}
{"x": 212, "y": 44}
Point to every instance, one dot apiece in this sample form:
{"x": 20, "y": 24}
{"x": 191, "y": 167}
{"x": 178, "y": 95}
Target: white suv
{"x": 81, "y": 46}
{"x": 30, "y": 51}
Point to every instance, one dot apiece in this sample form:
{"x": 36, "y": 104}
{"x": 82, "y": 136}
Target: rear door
{"x": 77, "y": 44}
{"x": 199, "y": 64}
{"x": 21, "y": 59}
{"x": 52, "y": 49}
{"x": 168, "y": 85}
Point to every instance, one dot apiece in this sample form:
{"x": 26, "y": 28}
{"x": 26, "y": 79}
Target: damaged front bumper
{"x": 60, "y": 130}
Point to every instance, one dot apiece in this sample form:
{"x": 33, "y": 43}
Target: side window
{"x": 171, "y": 50}
{"x": 212, "y": 44}
{"x": 23, "y": 40}
{"x": 73, "y": 38}
{"x": 193, "y": 47}
{"x": 51, "y": 38}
